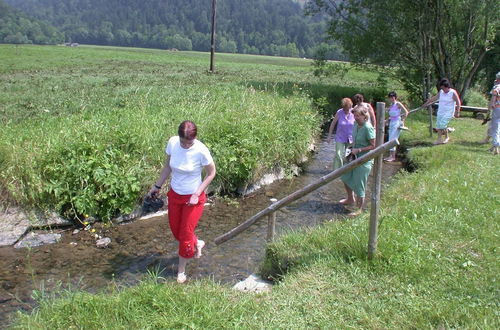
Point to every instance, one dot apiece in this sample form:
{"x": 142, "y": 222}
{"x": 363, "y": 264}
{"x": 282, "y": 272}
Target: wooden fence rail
{"x": 307, "y": 189}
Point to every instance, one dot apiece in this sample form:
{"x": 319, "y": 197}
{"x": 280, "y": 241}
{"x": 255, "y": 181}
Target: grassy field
{"x": 437, "y": 264}
{"x": 85, "y": 127}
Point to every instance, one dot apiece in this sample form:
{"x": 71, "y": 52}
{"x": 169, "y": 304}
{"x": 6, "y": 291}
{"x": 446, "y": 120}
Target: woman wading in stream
{"x": 186, "y": 158}
{"x": 364, "y": 140}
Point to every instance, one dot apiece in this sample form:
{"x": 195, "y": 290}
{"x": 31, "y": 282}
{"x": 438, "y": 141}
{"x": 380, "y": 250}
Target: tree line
{"x": 422, "y": 40}
{"x": 266, "y": 27}
{"x": 18, "y": 28}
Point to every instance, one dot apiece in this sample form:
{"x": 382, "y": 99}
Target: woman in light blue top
{"x": 396, "y": 121}
{"x": 344, "y": 119}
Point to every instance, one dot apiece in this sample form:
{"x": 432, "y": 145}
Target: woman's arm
{"x": 365, "y": 149}
{"x": 165, "y": 172}
{"x": 332, "y": 125}
{"x": 210, "y": 175}
{"x": 372, "y": 115}
{"x": 458, "y": 103}
{"x": 494, "y": 96}
{"x": 402, "y": 107}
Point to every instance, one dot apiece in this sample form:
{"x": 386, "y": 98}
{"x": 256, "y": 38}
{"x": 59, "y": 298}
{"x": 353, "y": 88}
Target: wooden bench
{"x": 478, "y": 112}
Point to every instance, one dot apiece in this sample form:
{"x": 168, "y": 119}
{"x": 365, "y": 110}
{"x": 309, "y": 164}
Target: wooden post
{"x": 429, "y": 108}
{"x": 212, "y": 39}
{"x": 271, "y": 222}
{"x": 377, "y": 182}
{"x": 430, "y": 120}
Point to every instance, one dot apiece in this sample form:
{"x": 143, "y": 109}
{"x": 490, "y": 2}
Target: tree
{"x": 424, "y": 40}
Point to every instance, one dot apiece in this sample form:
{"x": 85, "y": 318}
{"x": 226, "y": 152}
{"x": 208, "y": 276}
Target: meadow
{"x": 85, "y": 127}
{"x": 108, "y": 109}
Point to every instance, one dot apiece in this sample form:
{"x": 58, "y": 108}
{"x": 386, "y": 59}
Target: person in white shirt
{"x": 449, "y": 106}
{"x": 494, "y": 112}
{"x": 186, "y": 158}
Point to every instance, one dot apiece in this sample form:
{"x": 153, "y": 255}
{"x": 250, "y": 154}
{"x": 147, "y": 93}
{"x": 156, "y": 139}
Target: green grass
{"x": 84, "y": 128}
{"x": 437, "y": 263}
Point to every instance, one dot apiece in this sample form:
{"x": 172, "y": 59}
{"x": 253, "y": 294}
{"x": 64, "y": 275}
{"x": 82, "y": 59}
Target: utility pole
{"x": 212, "y": 39}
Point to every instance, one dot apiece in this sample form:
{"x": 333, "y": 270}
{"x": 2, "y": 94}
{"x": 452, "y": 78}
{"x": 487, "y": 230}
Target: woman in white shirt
{"x": 449, "y": 105}
{"x": 186, "y": 158}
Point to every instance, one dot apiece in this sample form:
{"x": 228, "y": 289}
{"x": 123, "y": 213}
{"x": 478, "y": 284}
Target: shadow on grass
{"x": 277, "y": 263}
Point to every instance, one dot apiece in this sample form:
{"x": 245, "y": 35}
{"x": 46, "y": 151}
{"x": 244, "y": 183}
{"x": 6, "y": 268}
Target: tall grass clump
{"x": 86, "y": 129}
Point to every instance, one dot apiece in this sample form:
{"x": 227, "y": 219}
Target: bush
{"x": 475, "y": 98}
{"x": 90, "y": 178}
{"x": 330, "y": 103}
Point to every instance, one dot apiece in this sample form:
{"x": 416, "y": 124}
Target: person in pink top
{"x": 359, "y": 99}
{"x": 186, "y": 158}
{"x": 396, "y": 122}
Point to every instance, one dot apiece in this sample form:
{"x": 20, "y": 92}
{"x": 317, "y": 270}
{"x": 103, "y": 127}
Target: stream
{"x": 147, "y": 245}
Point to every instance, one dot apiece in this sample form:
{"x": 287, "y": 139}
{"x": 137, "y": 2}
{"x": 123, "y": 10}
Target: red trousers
{"x": 183, "y": 219}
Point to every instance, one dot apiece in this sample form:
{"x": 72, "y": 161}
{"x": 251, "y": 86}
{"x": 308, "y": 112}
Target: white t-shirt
{"x": 186, "y": 165}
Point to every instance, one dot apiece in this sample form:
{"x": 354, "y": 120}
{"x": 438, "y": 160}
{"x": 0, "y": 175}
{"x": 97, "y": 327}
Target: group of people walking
{"x": 187, "y": 157}
{"x": 354, "y": 127}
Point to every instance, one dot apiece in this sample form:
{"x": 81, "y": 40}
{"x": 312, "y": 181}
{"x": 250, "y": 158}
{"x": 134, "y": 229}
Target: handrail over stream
{"x": 463, "y": 108}
{"x": 307, "y": 189}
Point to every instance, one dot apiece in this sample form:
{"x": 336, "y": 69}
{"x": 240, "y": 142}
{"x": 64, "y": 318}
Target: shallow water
{"x": 136, "y": 247}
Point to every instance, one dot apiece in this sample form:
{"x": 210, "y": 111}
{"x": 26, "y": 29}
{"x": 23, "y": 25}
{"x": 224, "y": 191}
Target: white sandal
{"x": 181, "y": 278}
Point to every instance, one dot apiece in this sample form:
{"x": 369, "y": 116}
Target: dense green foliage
{"x": 270, "y": 27}
{"x": 437, "y": 266}
{"x": 84, "y": 129}
{"x": 17, "y": 28}
{"x": 423, "y": 40}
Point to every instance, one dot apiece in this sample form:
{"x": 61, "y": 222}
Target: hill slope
{"x": 271, "y": 27}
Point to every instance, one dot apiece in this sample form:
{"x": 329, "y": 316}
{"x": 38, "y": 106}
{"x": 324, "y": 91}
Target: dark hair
{"x": 393, "y": 94}
{"x": 187, "y": 130}
{"x": 444, "y": 83}
{"x": 358, "y": 98}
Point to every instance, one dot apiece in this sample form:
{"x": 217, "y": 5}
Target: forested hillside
{"x": 17, "y": 28}
{"x": 271, "y": 27}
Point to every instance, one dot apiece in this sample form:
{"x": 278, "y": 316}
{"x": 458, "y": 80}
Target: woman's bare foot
{"x": 200, "y": 245}
{"x": 346, "y": 201}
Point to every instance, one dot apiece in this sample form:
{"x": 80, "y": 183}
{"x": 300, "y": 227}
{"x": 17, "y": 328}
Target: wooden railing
{"x": 276, "y": 205}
